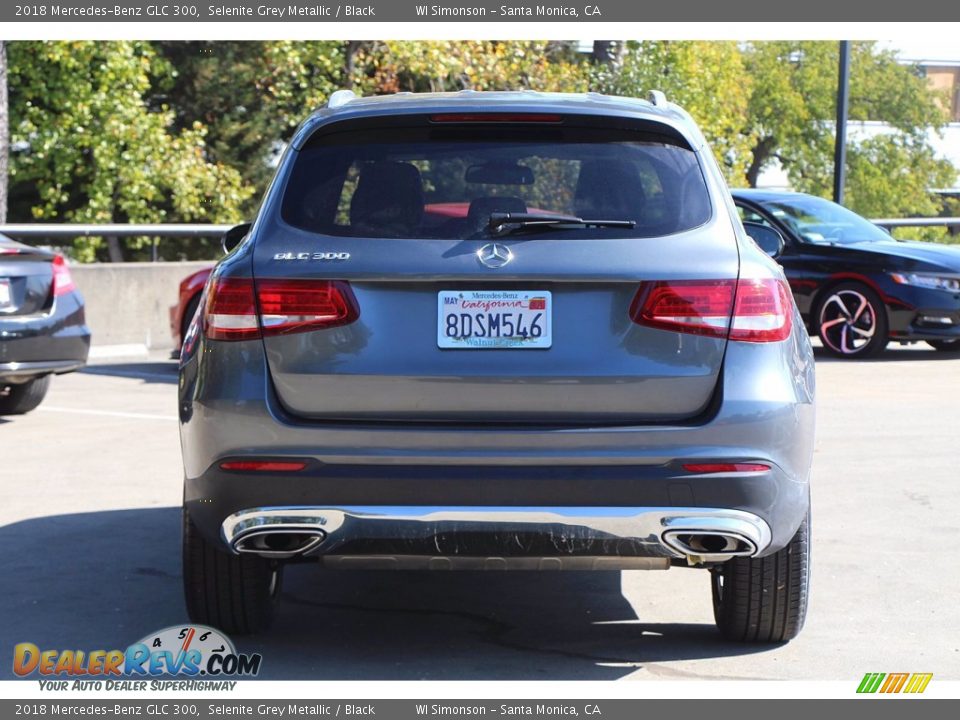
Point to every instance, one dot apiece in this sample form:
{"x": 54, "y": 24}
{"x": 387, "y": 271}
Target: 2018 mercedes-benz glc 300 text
{"x": 498, "y": 331}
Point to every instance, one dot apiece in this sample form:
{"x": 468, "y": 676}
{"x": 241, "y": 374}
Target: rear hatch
{"x": 447, "y": 316}
{"x": 26, "y": 277}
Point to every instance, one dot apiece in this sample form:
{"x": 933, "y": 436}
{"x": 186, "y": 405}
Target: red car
{"x": 188, "y": 299}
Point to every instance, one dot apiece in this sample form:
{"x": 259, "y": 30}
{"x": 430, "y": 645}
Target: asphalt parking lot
{"x": 89, "y": 526}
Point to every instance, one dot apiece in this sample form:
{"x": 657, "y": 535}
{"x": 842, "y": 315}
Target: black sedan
{"x": 856, "y": 286}
{"x": 42, "y": 330}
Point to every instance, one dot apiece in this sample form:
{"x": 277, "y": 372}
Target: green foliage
{"x": 436, "y": 66}
{"x": 190, "y": 131}
{"x": 792, "y": 114}
{"x": 708, "y": 79}
{"x": 93, "y": 150}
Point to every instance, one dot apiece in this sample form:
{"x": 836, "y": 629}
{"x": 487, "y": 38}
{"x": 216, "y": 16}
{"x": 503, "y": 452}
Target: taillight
{"x": 762, "y": 312}
{"x": 701, "y": 307}
{"x": 231, "y": 312}
{"x": 62, "y": 282}
{"x": 240, "y": 309}
{"x": 747, "y": 311}
{"x": 291, "y": 306}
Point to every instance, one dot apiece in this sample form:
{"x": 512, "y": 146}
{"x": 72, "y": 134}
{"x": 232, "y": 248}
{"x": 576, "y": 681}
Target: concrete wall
{"x": 128, "y": 304}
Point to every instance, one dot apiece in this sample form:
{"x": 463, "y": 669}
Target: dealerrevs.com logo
{"x": 182, "y": 650}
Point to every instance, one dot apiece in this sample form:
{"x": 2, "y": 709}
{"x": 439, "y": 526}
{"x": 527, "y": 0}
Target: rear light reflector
{"x": 241, "y": 309}
{"x": 290, "y": 306}
{"x": 725, "y": 467}
{"x": 262, "y": 465}
{"x": 62, "y": 282}
{"x": 485, "y": 117}
{"x": 747, "y": 311}
{"x": 231, "y": 312}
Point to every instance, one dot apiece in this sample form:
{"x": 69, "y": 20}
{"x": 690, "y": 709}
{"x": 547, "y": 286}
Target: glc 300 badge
{"x": 322, "y": 256}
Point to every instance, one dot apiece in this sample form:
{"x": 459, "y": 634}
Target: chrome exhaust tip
{"x": 713, "y": 539}
{"x": 279, "y": 544}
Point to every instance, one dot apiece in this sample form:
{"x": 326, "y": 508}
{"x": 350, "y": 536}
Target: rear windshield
{"x": 445, "y": 183}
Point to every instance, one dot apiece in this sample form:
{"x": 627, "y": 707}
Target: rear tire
{"x": 234, "y": 593}
{"x": 187, "y": 318}
{"x": 23, "y": 398}
{"x": 764, "y": 600}
{"x": 947, "y": 346}
{"x": 851, "y": 321}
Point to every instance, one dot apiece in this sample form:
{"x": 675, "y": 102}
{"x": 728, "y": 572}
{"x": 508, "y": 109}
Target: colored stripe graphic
{"x": 870, "y": 682}
{"x": 918, "y": 683}
{"x": 894, "y": 683}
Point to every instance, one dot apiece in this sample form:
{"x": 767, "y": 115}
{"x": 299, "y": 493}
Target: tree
{"x": 708, "y": 79}
{"x": 792, "y": 115}
{"x": 95, "y": 152}
{"x": 475, "y": 65}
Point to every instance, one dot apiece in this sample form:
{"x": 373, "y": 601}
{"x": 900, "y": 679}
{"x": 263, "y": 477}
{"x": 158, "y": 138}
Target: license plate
{"x": 5, "y": 298}
{"x": 494, "y": 319}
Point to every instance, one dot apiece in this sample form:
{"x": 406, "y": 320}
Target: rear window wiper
{"x": 506, "y": 223}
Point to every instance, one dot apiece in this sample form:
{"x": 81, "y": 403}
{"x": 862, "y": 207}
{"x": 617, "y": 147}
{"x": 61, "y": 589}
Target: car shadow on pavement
{"x": 160, "y": 371}
{"x": 104, "y": 580}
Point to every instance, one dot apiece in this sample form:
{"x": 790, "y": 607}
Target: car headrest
{"x": 388, "y": 200}
{"x": 609, "y": 190}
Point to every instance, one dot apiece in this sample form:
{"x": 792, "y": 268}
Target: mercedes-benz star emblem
{"x": 494, "y": 255}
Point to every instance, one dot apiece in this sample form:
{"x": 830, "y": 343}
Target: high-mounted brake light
{"x": 705, "y": 468}
{"x": 262, "y": 465}
{"x": 62, "y": 282}
{"x": 241, "y": 309}
{"x": 496, "y": 118}
{"x": 747, "y": 311}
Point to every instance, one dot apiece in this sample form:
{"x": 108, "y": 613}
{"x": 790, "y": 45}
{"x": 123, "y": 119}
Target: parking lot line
{"x": 108, "y": 413}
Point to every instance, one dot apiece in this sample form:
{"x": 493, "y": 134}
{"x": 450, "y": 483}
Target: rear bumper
{"x": 764, "y": 412}
{"x": 588, "y": 538}
{"x": 53, "y": 342}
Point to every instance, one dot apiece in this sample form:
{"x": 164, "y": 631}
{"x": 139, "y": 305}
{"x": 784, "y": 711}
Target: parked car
{"x": 615, "y": 379}
{"x": 188, "y": 299}
{"x": 856, "y": 286}
{"x": 42, "y": 330}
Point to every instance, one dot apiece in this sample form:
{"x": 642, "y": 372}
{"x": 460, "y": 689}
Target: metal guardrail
{"x": 917, "y": 222}
{"x": 68, "y": 231}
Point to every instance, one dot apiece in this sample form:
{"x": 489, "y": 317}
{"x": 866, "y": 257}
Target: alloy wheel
{"x": 848, "y": 322}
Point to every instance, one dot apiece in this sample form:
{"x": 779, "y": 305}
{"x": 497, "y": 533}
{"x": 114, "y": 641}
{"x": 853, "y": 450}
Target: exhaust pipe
{"x": 279, "y": 544}
{"x": 711, "y": 539}
{"x": 710, "y": 544}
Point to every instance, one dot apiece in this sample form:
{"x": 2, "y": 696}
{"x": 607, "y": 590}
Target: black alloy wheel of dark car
{"x": 851, "y": 321}
{"x": 764, "y": 599}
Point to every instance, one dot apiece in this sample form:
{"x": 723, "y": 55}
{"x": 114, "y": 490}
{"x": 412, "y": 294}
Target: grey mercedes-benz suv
{"x": 498, "y": 331}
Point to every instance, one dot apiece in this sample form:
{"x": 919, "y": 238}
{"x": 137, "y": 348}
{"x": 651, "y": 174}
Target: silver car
{"x": 498, "y": 331}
